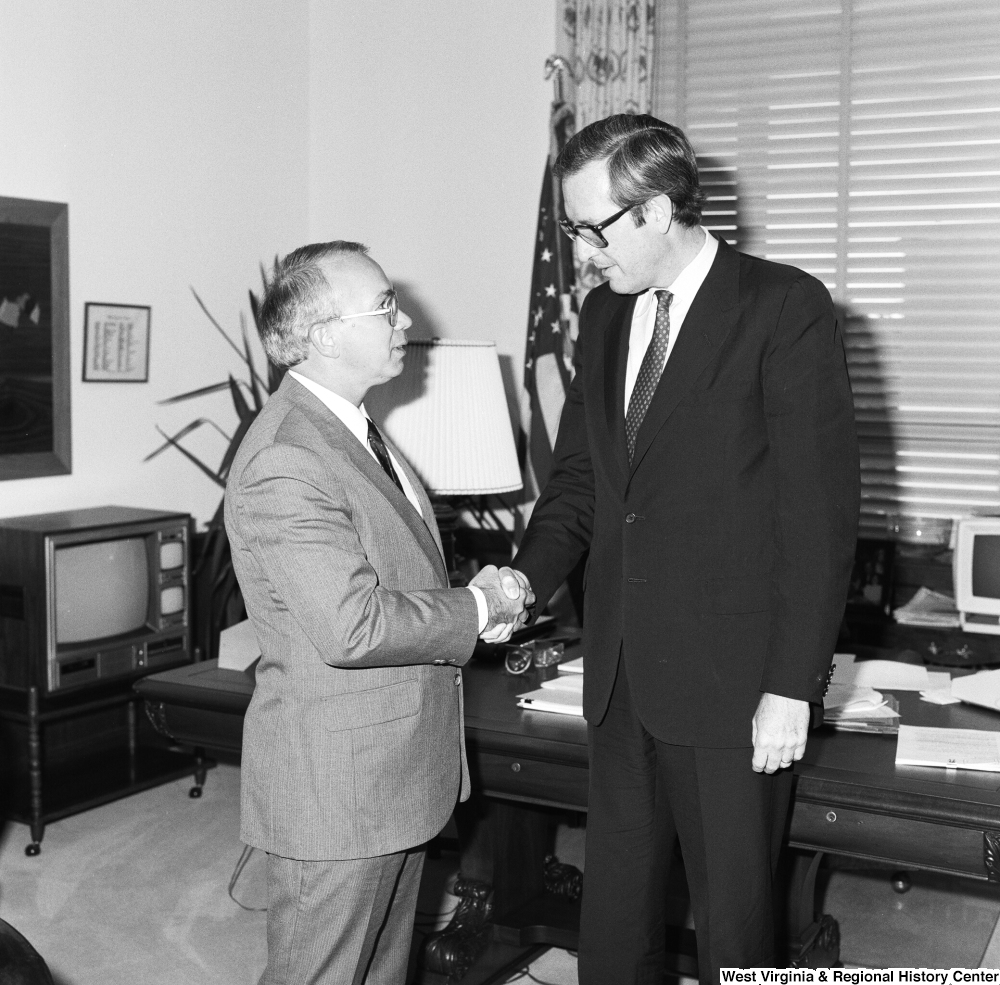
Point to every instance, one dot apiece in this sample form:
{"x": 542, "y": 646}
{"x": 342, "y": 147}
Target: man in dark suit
{"x": 707, "y": 460}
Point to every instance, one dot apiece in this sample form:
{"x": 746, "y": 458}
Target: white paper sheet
{"x": 572, "y": 666}
{"x": 939, "y": 693}
{"x": 884, "y": 675}
{"x": 979, "y": 689}
{"x": 238, "y": 647}
{"x": 547, "y": 699}
{"x": 953, "y": 748}
{"x": 571, "y": 683}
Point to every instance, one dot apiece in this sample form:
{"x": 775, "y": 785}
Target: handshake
{"x": 509, "y": 599}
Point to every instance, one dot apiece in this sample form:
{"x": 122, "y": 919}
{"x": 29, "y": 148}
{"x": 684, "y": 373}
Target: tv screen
{"x": 986, "y": 566}
{"x": 102, "y": 589}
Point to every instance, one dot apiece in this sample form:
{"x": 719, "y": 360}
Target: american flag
{"x": 548, "y": 358}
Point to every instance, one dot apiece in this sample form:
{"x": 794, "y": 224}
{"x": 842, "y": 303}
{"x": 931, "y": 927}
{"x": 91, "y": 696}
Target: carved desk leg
{"x": 813, "y": 938}
{"x": 455, "y": 949}
{"x": 991, "y": 855}
{"x": 505, "y": 865}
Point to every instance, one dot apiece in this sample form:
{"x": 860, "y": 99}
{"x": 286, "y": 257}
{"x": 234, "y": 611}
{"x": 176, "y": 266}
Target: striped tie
{"x": 649, "y": 372}
{"x": 382, "y": 453}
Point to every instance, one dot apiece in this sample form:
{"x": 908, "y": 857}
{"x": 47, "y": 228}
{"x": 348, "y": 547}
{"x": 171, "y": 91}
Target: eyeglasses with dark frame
{"x": 591, "y": 232}
{"x": 390, "y": 309}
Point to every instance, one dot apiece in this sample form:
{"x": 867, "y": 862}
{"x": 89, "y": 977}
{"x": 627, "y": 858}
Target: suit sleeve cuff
{"x": 484, "y": 610}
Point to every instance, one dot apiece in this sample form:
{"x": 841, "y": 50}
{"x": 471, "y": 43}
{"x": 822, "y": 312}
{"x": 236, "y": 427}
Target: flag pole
{"x": 562, "y": 116}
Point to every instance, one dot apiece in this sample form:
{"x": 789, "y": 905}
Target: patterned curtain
{"x": 609, "y": 44}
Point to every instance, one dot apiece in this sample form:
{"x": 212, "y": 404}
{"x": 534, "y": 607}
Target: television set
{"x": 976, "y": 570}
{"x": 92, "y": 595}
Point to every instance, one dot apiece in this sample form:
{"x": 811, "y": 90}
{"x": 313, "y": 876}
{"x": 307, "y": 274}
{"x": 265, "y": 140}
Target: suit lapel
{"x": 427, "y": 521}
{"x": 340, "y": 438}
{"x": 709, "y": 320}
{"x": 616, "y": 339}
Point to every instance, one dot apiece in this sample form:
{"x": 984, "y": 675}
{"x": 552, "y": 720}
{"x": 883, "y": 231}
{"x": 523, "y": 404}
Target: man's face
{"x": 371, "y": 352}
{"x": 633, "y": 255}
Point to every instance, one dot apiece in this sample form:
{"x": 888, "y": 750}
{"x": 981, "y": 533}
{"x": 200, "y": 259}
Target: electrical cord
{"x": 240, "y": 866}
{"x": 437, "y": 916}
{"x": 525, "y": 973}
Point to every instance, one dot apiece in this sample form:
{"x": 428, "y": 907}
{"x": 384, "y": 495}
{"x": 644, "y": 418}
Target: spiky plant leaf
{"x": 186, "y": 430}
{"x": 258, "y": 400}
{"x": 234, "y": 447}
{"x": 243, "y": 410}
{"x": 197, "y": 461}
{"x": 220, "y": 329}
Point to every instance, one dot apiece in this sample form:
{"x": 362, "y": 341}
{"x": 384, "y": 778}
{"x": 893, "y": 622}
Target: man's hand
{"x": 508, "y": 597}
{"x": 780, "y": 726}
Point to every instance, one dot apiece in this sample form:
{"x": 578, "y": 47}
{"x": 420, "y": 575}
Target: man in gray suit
{"x": 353, "y": 754}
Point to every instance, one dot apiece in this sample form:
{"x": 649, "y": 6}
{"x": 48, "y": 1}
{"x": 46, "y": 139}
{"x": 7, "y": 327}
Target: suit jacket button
{"x": 458, "y": 678}
{"x": 630, "y": 518}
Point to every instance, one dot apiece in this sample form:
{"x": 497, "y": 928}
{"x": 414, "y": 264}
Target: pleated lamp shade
{"x": 447, "y": 413}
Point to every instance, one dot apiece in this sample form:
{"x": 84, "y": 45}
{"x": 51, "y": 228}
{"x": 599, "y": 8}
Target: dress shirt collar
{"x": 687, "y": 283}
{"x": 355, "y": 419}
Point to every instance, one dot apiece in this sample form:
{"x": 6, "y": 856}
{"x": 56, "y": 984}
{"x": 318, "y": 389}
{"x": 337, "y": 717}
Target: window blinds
{"x": 860, "y": 141}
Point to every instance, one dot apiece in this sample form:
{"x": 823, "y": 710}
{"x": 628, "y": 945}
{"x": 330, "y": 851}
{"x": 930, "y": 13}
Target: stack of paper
{"x": 928, "y": 608}
{"x": 852, "y": 708}
{"x": 953, "y": 748}
{"x": 562, "y": 695}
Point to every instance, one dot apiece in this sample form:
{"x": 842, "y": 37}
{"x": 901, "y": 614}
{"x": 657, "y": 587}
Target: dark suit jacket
{"x": 719, "y": 561}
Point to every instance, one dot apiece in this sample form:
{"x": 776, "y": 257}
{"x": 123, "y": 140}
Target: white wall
{"x": 428, "y": 136}
{"x": 194, "y": 138}
{"x": 178, "y": 134}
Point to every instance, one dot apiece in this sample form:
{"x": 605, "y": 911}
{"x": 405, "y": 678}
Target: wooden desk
{"x": 850, "y": 797}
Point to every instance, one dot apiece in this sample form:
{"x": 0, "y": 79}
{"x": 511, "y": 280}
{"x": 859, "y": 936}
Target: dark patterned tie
{"x": 649, "y": 371}
{"x": 382, "y": 453}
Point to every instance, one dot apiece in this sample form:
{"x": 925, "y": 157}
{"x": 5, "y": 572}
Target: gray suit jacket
{"x": 352, "y": 745}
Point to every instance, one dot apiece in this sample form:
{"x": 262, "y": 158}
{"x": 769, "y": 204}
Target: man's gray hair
{"x": 296, "y": 297}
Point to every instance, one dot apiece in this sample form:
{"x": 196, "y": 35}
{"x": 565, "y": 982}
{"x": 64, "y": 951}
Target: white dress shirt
{"x": 355, "y": 419}
{"x": 683, "y": 289}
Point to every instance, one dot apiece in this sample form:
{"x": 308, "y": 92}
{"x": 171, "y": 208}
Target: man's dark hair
{"x": 645, "y": 158}
{"x": 296, "y": 297}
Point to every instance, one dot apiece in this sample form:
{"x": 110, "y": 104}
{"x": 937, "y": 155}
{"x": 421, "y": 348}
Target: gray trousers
{"x": 341, "y": 922}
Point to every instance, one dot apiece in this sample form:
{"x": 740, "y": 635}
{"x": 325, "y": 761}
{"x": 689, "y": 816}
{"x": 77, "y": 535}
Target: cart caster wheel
{"x": 901, "y": 882}
{"x": 194, "y": 793}
{"x": 33, "y": 849}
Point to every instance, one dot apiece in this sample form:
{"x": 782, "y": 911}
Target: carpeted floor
{"x": 135, "y": 893}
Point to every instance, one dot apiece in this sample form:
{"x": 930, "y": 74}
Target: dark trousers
{"x": 645, "y": 793}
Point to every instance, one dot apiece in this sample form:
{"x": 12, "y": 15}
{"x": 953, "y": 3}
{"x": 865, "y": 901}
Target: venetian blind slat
{"x": 860, "y": 141}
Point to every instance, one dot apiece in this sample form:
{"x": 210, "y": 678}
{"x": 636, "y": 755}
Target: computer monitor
{"x": 976, "y": 569}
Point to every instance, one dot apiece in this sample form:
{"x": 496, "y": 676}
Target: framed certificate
{"x": 116, "y": 343}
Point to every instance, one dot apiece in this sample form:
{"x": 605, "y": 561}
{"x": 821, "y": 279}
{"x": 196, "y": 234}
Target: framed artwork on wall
{"x": 34, "y": 339}
{"x": 115, "y": 343}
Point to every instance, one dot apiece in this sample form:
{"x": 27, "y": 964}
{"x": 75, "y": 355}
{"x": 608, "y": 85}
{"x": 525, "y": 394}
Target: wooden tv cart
{"x": 64, "y": 754}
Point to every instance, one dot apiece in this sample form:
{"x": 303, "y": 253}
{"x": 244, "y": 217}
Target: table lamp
{"x": 447, "y": 413}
